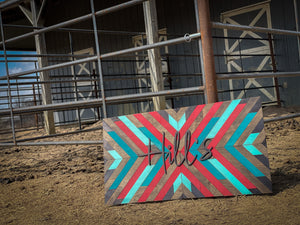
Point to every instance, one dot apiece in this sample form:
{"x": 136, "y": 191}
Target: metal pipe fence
{"x": 100, "y": 58}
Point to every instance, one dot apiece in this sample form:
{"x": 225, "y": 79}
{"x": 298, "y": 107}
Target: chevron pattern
{"x": 139, "y": 149}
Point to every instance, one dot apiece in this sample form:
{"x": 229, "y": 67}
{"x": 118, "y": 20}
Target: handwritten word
{"x": 173, "y": 159}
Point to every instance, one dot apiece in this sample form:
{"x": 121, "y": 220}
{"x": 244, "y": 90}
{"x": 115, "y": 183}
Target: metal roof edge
{"x": 10, "y": 3}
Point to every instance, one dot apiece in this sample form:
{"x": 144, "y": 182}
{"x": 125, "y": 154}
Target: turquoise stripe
{"x": 134, "y": 129}
{"x": 115, "y": 154}
{"x": 240, "y": 130}
{"x": 159, "y": 163}
{"x": 251, "y": 139}
{"x": 117, "y": 158}
{"x": 153, "y": 172}
{"x": 252, "y": 150}
{"x": 244, "y": 161}
{"x": 123, "y": 173}
{"x": 177, "y": 125}
{"x": 182, "y": 179}
{"x": 223, "y": 118}
{"x": 137, "y": 184}
{"x": 122, "y": 144}
{"x": 181, "y": 122}
{"x": 153, "y": 139}
{"x": 177, "y": 183}
{"x": 186, "y": 182}
{"x": 235, "y": 182}
{"x": 194, "y": 151}
{"x": 115, "y": 164}
{"x": 173, "y": 122}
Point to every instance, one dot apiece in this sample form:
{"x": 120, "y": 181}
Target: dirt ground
{"x": 64, "y": 185}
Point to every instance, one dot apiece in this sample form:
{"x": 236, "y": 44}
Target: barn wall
{"x": 177, "y": 22}
{"x": 286, "y": 49}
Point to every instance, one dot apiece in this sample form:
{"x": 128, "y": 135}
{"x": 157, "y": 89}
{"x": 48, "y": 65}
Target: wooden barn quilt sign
{"x": 193, "y": 152}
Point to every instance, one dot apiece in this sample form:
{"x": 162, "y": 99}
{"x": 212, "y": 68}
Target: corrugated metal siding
{"x": 286, "y": 49}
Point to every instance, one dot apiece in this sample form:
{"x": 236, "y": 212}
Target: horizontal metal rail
{"x": 291, "y": 116}
{"x": 257, "y": 75}
{"x": 109, "y": 100}
{"x": 114, "y": 32}
{"x": 59, "y": 135}
{"x": 76, "y": 20}
{"x": 108, "y": 55}
{"x": 53, "y": 143}
{"x": 256, "y": 29}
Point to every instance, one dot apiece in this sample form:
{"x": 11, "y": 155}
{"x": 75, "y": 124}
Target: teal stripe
{"x": 244, "y": 161}
{"x": 137, "y": 184}
{"x": 235, "y": 182}
{"x": 153, "y": 172}
{"x": 223, "y": 118}
{"x": 186, "y": 182}
{"x": 177, "y": 183}
{"x": 240, "y": 130}
{"x": 122, "y": 144}
{"x": 159, "y": 163}
{"x": 134, "y": 129}
{"x": 194, "y": 151}
{"x": 251, "y": 139}
{"x": 252, "y": 150}
{"x": 177, "y": 125}
{"x": 123, "y": 173}
{"x": 153, "y": 139}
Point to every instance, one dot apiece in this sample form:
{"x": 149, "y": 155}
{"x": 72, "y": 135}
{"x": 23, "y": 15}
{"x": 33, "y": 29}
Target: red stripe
{"x": 164, "y": 190}
{"x": 191, "y": 119}
{"x": 196, "y": 182}
{"x": 152, "y": 129}
{"x": 212, "y": 179}
{"x": 204, "y": 122}
{"x": 132, "y": 136}
{"x": 220, "y": 157}
{"x": 153, "y": 183}
{"x": 163, "y": 122}
{"x": 205, "y": 172}
{"x": 133, "y": 179}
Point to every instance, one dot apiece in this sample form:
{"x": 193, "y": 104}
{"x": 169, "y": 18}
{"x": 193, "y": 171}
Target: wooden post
{"x": 207, "y": 50}
{"x": 155, "y": 68}
{"x": 40, "y": 44}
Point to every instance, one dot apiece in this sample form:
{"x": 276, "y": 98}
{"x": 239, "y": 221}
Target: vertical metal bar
{"x": 274, "y": 68}
{"x": 34, "y": 103}
{"x": 8, "y": 81}
{"x": 200, "y": 48}
{"x": 39, "y": 93}
{"x": 207, "y": 49}
{"x": 19, "y": 102}
{"x": 98, "y": 58}
{"x": 297, "y": 25}
{"x": 170, "y": 79}
{"x": 96, "y": 92}
{"x": 75, "y": 80}
{"x": 242, "y": 67}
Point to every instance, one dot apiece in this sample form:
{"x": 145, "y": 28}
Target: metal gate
{"x": 247, "y": 51}
{"x": 84, "y": 90}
